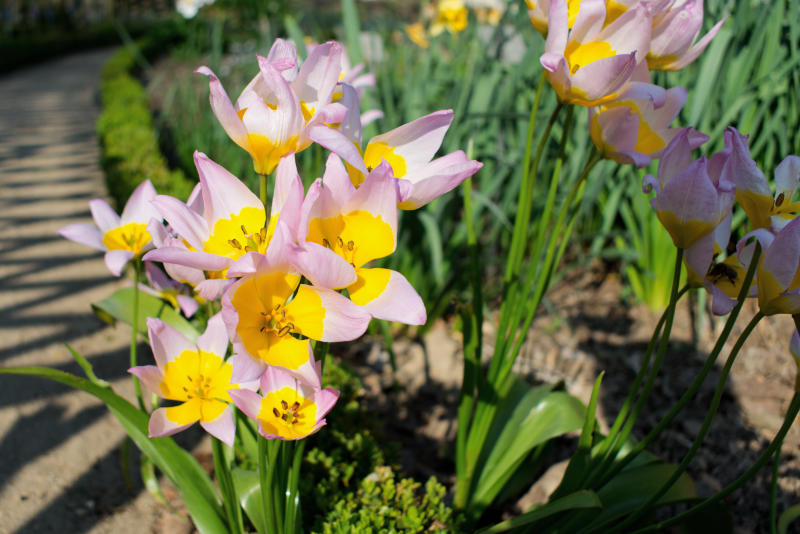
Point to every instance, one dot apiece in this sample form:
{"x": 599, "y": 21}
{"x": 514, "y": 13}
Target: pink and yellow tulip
{"x": 360, "y": 225}
{"x": 288, "y": 408}
{"x": 592, "y": 63}
{"x": 194, "y": 375}
{"x": 122, "y": 237}
{"x": 276, "y": 111}
{"x": 692, "y": 197}
{"x": 676, "y": 25}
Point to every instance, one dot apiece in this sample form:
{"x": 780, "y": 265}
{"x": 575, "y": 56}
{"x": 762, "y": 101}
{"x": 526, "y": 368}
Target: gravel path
{"x": 59, "y": 449}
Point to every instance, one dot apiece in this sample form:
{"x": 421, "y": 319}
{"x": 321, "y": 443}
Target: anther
{"x": 276, "y": 412}
{"x": 235, "y": 243}
{"x": 340, "y": 241}
{"x": 296, "y": 405}
{"x": 284, "y": 330}
{"x": 244, "y": 230}
{"x": 263, "y": 234}
{"x": 284, "y": 405}
{"x": 326, "y": 242}
{"x": 351, "y": 245}
{"x": 779, "y": 200}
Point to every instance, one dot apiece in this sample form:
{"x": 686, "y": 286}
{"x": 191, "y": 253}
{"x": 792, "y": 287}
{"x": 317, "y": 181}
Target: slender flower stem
{"x": 699, "y": 379}
{"x": 264, "y": 471}
{"x": 773, "y": 491}
{"x": 292, "y": 517}
{"x": 765, "y": 457}
{"x": 262, "y": 193}
{"x": 223, "y": 473}
{"x": 137, "y": 266}
{"x": 320, "y": 354}
{"x": 701, "y": 435}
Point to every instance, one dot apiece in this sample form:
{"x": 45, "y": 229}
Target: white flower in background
{"x": 189, "y": 8}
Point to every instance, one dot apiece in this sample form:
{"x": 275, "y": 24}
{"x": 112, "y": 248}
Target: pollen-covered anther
{"x": 287, "y": 414}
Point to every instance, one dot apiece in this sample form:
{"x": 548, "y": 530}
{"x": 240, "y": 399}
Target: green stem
{"x": 223, "y": 473}
{"x": 320, "y": 354}
{"x": 264, "y": 471}
{"x": 695, "y": 385}
{"x": 791, "y": 413}
{"x": 701, "y": 435}
{"x": 137, "y": 266}
{"x": 276, "y": 488}
{"x": 292, "y": 517}
{"x": 262, "y": 193}
{"x": 773, "y": 491}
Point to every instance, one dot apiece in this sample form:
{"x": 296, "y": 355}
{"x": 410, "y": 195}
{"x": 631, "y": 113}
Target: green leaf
{"x": 150, "y": 480}
{"x": 118, "y": 307}
{"x": 578, "y": 500}
{"x": 786, "y": 518}
{"x": 631, "y": 488}
{"x": 87, "y": 367}
{"x": 526, "y": 417}
{"x": 198, "y": 492}
{"x": 249, "y": 493}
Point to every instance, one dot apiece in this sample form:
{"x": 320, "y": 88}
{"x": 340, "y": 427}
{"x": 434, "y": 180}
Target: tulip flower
{"x": 764, "y": 209}
{"x": 360, "y": 225}
{"x": 676, "y": 25}
{"x": 692, "y": 197}
{"x": 289, "y": 409}
{"x": 451, "y": 15}
{"x": 194, "y": 375}
{"x": 276, "y": 111}
{"x": 636, "y": 130}
{"x": 122, "y": 237}
{"x": 170, "y": 290}
{"x": 268, "y": 306}
{"x": 539, "y": 10}
{"x": 777, "y": 275}
{"x": 409, "y": 150}
{"x": 592, "y": 64}
{"x": 233, "y": 222}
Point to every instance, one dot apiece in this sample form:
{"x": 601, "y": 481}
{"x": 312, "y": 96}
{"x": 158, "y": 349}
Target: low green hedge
{"x": 128, "y": 139}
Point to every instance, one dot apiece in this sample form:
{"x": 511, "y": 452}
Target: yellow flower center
{"x": 200, "y": 380}
{"x": 358, "y": 237}
{"x": 287, "y": 414}
{"x": 242, "y": 233}
{"x": 581, "y": 54}
{"x": 132, "y": 236}
{"x": 376, "y": 152}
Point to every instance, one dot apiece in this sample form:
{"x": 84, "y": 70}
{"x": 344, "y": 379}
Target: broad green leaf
{"x": 525, "y": 421}
{"x": 196, "y": 489}
{"x": 575, "y": 501}
{"x": 119, "y": 307}
{"x": 787, "y": 517}
{"x": 249, "y": 493}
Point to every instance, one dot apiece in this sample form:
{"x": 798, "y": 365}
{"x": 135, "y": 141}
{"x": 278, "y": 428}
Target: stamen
{"x": 276, "y": 412}
{"x": 284, "y": 405}
{"x": 296, "y": 405}
{"x": 284, "y": 330}
{"x": 340, "y": 241}
{"x": 351, "y": 245}
{"x": 244, "y": 230}
{"x": 779, "y": 200}
{"x": 326, "y": 243}
{"x": 235, "y": 243}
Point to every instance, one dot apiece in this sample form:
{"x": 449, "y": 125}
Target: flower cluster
{"x": 599, "y": 53}
{"x": 282, "y": 277}
{"x": 694, "y": 202}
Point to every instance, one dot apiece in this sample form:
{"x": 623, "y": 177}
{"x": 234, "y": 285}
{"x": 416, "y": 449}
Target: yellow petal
{"x": 369, "y": 285}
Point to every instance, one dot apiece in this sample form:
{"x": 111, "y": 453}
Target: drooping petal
{"x": 224, "y": 110}
{"x": 213, "y": 289}
{"x": 387, "y": 295}
{"x": 83, "y": 233}
{"x": 338, "y": 143}
{"x": 117, "y": 259}
{"x": 222, "y": 427}
{"x": 437, "y": 178}
{"x": 160, "y": 425}
{"x": 150, "y": 375}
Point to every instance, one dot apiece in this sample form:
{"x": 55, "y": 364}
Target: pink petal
{"x": 337, "y": 181}
{"x": 378, "y": 196}
{"x": 116, "y": 260}
{"x": 187, "y": 223}
{"x": 161, "y": 426}
{"x": 399, "y": 302}
{"x": 604, "y": 76}
{"x": 698, "y": 48}
{"x": 283, "y": 57}
{"x": 557, "y": 28}
{"x": 699, "y": 256}
{"x": 138, "y": 208}
{"x": 223, "y": 194}
{"x": 215, "y": 338}
{"x": 287, "y": 198}
{"x": 322, "y": 266}
{"x": 320, "y": 73}
{"x": 83, "y": 233}
{"x": 246, "y": 370}
{"x": 150, "y": 375}
{"x": 344, "y": 321}
{"x": 338, "y": 143}
{"x": 224, "y": 110}
{"x": 590, "y": 19}
{"x": 188, "y": 305}
{"x": 222, "y": 427}
{"x": 166, "y": 342}
{"x": 787, "y": 176}
{"x": 213, "y": 289}
{"x": 104, "y": 217}
{"x": 629, "y": 33}
{"x": 782, "y": 256}
{"x": 276, "y": 378}
{"x": 740, "y": 167}
{"x": 437, "y": 178}
{"x": 249, "y": 402}
{"x": 418, "y": 141}
{"x": 325, "y": 400}
{"x": 189, "y": 258}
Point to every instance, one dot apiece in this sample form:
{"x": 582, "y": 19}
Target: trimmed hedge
{"x": 129, "y": 143}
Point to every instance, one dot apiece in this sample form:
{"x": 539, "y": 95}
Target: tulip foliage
{"x": 272, "y": 279}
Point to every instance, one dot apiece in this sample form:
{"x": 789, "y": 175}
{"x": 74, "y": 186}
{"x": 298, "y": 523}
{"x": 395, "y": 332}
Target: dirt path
{"x": 59, "y": 449}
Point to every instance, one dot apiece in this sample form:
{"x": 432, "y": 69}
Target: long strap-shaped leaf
{"x": 194, "y": 485}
